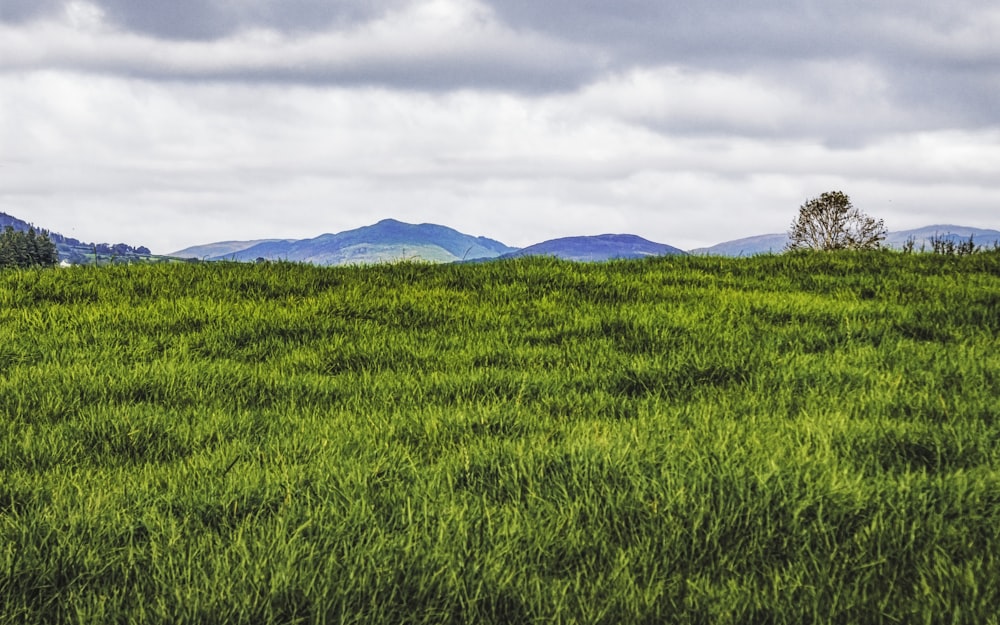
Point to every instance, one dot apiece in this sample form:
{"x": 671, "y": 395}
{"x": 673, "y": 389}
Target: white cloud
{"x": 834, "y": 103}
{"x": 509, "y": 118}
{"x": 84, "y": 16}
{"x": 967, "y": 35}
{"x": 170, "y": 165}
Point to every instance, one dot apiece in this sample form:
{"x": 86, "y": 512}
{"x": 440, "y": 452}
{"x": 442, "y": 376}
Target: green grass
{"x": 782, "y": 439}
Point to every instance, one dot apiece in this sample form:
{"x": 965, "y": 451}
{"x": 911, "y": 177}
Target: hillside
{"x": 78, "y": 252}
{"x": 748, "y": 246}
{"x": 222, "y": 249}
{"x": 596, "y": 248}
{"x": 13, "y": 222}
{"x": 779, "y": 439}
{"x": 386, "y": 241}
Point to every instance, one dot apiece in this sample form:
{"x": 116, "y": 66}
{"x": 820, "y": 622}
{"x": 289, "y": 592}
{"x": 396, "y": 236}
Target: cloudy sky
{"x": 170, "y": 123}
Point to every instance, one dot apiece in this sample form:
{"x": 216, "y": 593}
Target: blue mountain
{"x": 924, "y": 237}
{"x": 387, "y": 241}
{"x": 749, "y": 246}
{"x": 921, "y": 237}
{"x": 597, "y": 248}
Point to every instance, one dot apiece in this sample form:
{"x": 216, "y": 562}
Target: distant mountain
{"x": 222, "y": 249}
{"x": 749, "y": 246}
{"x": 597, "y": 248}
{"x": 75, "y": 251}
{"x": 921, "y": 237}
{"x": 388, "y": 240}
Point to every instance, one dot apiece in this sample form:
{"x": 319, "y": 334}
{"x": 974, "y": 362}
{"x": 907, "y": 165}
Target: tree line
{"x": 23, "y": 249}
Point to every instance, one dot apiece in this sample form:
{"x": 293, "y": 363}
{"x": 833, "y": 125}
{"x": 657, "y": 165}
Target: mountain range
{"x": 391, "y": 240}
{"x": 388, "y": 240}
{"x": 597, "y": 248}
{"x": 921, "y": 238}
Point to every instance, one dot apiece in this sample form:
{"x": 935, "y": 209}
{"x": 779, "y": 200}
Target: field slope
{"x": 780, "y": 439}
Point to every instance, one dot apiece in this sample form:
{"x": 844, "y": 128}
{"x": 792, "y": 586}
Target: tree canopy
{"x": 831, "y": 222}
{"x": 25, "y": 249}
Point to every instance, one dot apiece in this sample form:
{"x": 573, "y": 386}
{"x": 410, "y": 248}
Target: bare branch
{"x": 831, "y": 222}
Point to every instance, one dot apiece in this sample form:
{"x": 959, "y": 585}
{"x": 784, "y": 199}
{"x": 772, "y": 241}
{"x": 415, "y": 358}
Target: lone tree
{"x": 831, "y": 222}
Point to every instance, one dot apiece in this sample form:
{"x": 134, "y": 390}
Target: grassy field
{"x": 780, "y": 439}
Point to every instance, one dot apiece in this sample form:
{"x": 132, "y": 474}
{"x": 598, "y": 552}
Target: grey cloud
{"x": 177, "y": 19}
{"x": 940, "y": 61}
{"x": 311, "y": 15}
{"x": 678, "y": 30}
{"x": 672, "y": 30}
{"x": 211, "y": 19}
{"x": 939, "y": 58}
{"x": 17, "y": 11}
{"x": 422, "y": 74}
{"x": 422, "y": 47}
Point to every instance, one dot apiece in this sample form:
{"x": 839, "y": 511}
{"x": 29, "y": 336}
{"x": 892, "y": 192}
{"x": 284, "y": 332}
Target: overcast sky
{"x": 170, "y": 123}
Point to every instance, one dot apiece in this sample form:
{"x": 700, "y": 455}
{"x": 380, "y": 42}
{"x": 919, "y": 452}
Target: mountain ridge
{"x": 597, "y": 248}
{"x": 220, "y": 248}
{"x": 391, "y": 240}
{"x": 385, "y": 241}
{"x": 922, "y": 238}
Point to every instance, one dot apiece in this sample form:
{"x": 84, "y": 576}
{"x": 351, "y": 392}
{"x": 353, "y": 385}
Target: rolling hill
{"x": 597, "y": 248}
{"x": 748, "y": 246}
{"x": 386, "y": 241}
{"x": 222, "y": 249}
